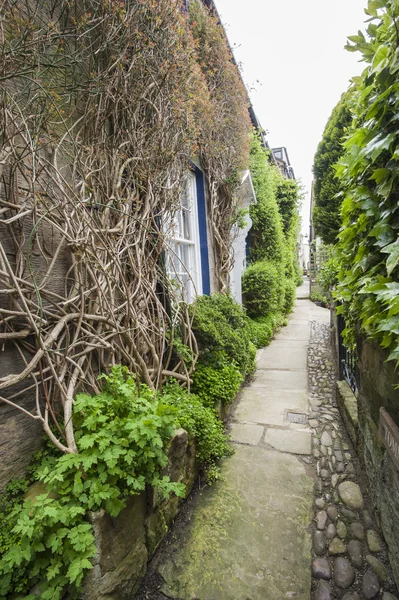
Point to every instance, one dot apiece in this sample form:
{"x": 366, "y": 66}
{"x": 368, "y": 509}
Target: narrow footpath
{"x": 275, "y": 525}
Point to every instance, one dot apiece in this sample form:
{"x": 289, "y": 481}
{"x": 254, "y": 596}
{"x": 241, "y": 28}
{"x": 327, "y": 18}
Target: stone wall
{"x": 127, "y": 542}
{"x": 377, "y": 388}
{"x": 378, "y": 383}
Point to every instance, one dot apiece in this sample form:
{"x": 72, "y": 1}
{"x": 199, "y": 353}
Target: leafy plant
{"x": 317, "y": 296}
{"x": 200, "y": 422}
{"x": 263, "y": 289}
{"x": 216, "y": 379}
{"x": 267, "y": 237}
{"x": 122, "y": 436}
{"x": 327, "y": 188}
{"x": 368, "y": 247}
{"x": 220, "y": 325}
{"x": 327, "y": 277}
{"x": 262, "y": 329}
{"x": 269, "y": 282}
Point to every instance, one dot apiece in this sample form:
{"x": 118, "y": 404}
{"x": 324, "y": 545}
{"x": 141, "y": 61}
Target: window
{"x": 183, "y": 262}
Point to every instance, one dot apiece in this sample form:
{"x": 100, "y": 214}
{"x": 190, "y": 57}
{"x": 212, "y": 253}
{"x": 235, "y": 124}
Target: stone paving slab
{"x": 246, "y": 433}
{"x": 282, "y": 354}
{"x": 294, "y": 442}
{"x": 248, "y": 537}
{"x": 280, "y": 380}
{"x": 269, "y": 405}
{"x": 294, "y": 331}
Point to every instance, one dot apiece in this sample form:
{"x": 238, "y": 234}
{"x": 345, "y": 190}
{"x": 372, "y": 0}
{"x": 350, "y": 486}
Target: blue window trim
{"x": 203, "y": 234}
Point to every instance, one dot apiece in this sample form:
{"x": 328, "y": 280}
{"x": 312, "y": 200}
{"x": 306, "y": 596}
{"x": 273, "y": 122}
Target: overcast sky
{"x": 295, "y": 66}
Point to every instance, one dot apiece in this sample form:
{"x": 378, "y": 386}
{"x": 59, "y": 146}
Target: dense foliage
{"x": 270, "y": 280}
{"x": 200, "y": 422}
{"x": 226, "y": 352}
{"x": 327, "y": 187}
{"x": 264, "y": 289}
{"x": 369, "y": 172}
{"x": 122, "y": 437}
{"x": 216, "y": 379}
{"x": 262, "y": 328}
{"x": 220, "y": 325}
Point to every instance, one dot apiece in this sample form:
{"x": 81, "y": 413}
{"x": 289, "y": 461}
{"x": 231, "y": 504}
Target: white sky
{"x": 292, "y": 54}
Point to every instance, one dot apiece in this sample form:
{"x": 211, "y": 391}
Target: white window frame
{"x": 183, "y": 257}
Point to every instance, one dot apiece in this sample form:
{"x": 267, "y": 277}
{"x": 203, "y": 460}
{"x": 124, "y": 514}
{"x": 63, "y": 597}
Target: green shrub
{"x": 216, "y": 379}
{"x": 220, "y": 325}
{"x": 267, "y": 237}
{"x": 317, "y": 296}
{"x": 122, "y": 436}
{"x": 327, "y": 277}
{"x": 200, "y": 422}
{"x": 251, "y": 356}
{"x": 263, "y": 290}
{"x": 262, "y": 329}
{"x": 298, "y": 274}
{"x": 289, "y": 295}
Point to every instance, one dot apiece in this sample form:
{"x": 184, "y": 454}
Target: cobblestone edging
{"x": 349, "y": 557}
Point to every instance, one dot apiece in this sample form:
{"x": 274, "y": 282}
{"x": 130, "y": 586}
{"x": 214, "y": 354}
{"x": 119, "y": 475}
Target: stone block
{"x": 122, "y": 555}
{"x": 126, "y": 542}
{"x": 347, "y": 404}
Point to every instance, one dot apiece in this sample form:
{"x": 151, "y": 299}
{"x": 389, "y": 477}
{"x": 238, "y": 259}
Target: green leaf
{"x": 381, "y": 59}
{"x": 76, "y": 569}
{"x": 393, "y": 258}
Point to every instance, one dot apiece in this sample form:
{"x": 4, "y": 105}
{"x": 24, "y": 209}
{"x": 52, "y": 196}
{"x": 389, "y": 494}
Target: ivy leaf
{"x": 380, "y": 175}
{"x": 393, "y": 258}
{"x": 381, "y": 59}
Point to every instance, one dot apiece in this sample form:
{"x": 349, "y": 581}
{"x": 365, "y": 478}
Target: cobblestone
{"x": 350, "y": 558}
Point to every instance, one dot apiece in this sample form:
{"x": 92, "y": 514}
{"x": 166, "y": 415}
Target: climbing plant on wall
{"x": 368, "y": 245}
{"x": 224, "y": 131}
{"x": 103, "y": 105}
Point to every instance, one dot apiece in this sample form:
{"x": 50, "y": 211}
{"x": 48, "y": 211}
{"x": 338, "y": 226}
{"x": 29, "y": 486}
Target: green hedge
{"x": 262, "y": 329}
{"x": 217, "y": 379}
{"x": 221, "y": 325}
{"x": 263, "y": 289}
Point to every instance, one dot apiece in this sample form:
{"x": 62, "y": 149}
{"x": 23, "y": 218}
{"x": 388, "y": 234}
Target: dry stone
{"x": 332, "y": 513}
{"x": 341, "y": 530}
{"x": 323, "y": 591}
{"x": 355, "y": 553}
{"x": 373, "y": 541}
{"x": 357, "y": 531}
{"x": 379, "y": 569}
{"x": 326, "y": 439}
{"x": 336, "y": 546}
{"x": 319, "y": 543}
{"x": 370, "y": 585}
{"x": 331, "y": 531}
{"x": 344, "y": 573}
{"x": 321, "y": 519}
{"x": 350, "y": 494}
{"x": 321, "y": 568}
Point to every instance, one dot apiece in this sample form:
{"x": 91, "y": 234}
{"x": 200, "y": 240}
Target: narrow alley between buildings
{"x": 290, "y": 517}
